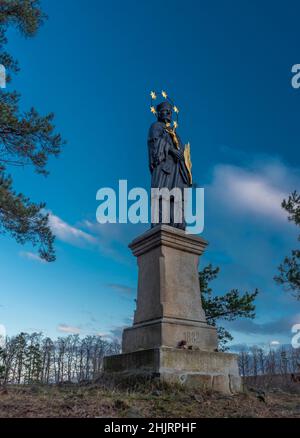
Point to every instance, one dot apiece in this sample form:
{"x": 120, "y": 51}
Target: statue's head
{"x": 164, "y": 112}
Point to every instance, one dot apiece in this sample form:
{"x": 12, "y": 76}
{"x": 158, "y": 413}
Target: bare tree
{"x": 29, "y": 358}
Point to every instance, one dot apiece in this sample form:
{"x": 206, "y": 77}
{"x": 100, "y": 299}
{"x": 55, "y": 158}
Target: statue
{"x": 169, "y": 161}
{"x": 170, "y": 338}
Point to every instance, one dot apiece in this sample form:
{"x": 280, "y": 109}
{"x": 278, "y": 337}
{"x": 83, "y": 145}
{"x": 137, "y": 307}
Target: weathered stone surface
{"x": 168, "y": 332}
{"x": 169, "y": 308}
{"x": 206, "y": 362}
{"x": 207, "y": 370}
{"x": 144, "y": 361}
{"x": 198, "y": 381}
{"x": 220, "y": 383}
{"x": 235, "y": 383}
{"x": 168, "y": 284}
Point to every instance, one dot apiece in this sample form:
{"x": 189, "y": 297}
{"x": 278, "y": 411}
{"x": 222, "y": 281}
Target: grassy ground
{"x": 147, "y": 400}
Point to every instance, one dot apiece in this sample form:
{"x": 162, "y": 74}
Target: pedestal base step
{"x": 202, "y": 369}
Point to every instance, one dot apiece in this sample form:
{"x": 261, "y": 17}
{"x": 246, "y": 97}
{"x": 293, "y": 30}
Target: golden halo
{"x": 163, "y": 93}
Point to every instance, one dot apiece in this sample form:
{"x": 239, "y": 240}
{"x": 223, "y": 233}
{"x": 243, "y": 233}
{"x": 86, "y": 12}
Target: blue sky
{"x": 228, "y": 67}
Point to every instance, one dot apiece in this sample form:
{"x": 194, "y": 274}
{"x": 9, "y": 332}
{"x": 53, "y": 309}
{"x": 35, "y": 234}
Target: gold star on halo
{"x": 152, "y": 109}
{"x": 164, "y": 94}
{"x": 175, "y": 124}
{"x": 153, "y": 95}
{"x": 175, "y": 108}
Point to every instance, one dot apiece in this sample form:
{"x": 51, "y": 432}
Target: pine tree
{"x": 289, "y": 270}
{"x": 26, "y": 139}
{"x": 227, "y": 307}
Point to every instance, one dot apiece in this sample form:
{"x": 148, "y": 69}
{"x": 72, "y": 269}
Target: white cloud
{"x": 69, "y": 233}
{"x": 31, "y": 256}
{"x": 113, "y": 238}
{"x": 280, "y": 326}
{"x": 274, "y": 343}
{"x": 108, "y": 238}
{"x": 64, "y": 328}
{"x": 258, "y": 192}
{"x": 115, "y": 233}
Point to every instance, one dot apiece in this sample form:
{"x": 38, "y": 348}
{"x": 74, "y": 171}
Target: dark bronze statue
{"x": 169, "y": 160}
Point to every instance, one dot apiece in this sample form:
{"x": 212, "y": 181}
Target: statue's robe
{"x": 166, "y": 170}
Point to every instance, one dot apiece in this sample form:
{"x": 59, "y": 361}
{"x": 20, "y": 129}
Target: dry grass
{"x": 142, "y": 400}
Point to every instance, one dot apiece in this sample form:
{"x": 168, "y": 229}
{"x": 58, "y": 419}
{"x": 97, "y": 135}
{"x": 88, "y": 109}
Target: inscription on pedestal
{"x": 192, "y": 337}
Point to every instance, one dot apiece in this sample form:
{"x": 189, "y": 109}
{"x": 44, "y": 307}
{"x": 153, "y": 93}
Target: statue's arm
{"x": 177, "y": 153}
{"x": 158, "y": 145}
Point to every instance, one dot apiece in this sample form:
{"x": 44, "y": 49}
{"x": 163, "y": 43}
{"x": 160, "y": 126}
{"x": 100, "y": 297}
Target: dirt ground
{"x": 150, "y": 401}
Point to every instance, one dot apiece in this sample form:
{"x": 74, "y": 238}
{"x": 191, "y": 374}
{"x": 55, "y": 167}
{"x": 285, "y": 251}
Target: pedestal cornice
{"x": 165, "y": 235}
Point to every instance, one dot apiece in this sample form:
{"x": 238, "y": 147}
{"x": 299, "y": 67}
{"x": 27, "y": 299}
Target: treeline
{"x": 283, "y": 361}
{"x": 35, "y": 358}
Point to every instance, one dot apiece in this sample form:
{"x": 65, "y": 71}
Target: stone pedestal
{"x": 169, "y": 316}
{"x": 195, "y": 368}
